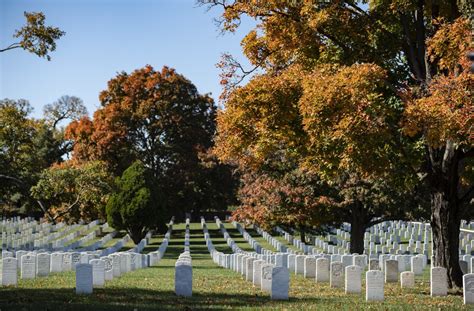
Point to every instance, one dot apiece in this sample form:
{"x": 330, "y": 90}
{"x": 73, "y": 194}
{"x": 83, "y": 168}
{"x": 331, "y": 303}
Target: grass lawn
{"x": 213, "y": 287}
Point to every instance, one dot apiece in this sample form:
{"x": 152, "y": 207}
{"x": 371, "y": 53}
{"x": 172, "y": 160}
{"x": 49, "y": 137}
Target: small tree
{"x": 134, "y": 206}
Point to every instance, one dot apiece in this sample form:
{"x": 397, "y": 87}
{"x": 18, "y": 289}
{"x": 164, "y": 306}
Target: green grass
{"x": 213, "y": 287}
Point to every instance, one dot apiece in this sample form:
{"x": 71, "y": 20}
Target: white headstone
{"x": 374, "y": 285}
{"x": 407, "y": 279}
{"x": 291, "y": 262}
{"x": 322, "y": 270}
{"x": 108, "y": 268}
{"x": 309, "y": 267}
{"x": 438, "y": 281}
{"x": 56, "y": 262}
{"x": 468, "y": 288}
{"x": 359, "y": 260}
{"x": 98, "y": 272}
{"x": 84, "y": 278}
{"x": 116, "y": 265}
{"x": 374, "y": 264}
{"x": 280, "y": 283}
{"x": 249, "y": 269}
{"x": 257, "y": 272}
{"x": 299, "y": 264}
{"x": 391, "y": 271}
{"x": 75, "y": 260}
{"x": 417, "y": 265}
{"x": 266, "y": 277}
{"x": 353, "y": 279}
{"x": 336, "y": 274}
{"x": 183, "y": 279}
{"x": 43, "y": 261}
{"x": 28, "y": 266}
{"x": 9, "y": 268}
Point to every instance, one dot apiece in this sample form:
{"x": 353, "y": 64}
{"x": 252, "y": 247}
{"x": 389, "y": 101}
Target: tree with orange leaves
{"x": 384, "y": 90}
{"x": 160, "y": 119}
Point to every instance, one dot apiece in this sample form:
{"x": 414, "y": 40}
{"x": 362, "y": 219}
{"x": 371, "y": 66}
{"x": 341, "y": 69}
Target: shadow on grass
{"x": 129, "y": 299}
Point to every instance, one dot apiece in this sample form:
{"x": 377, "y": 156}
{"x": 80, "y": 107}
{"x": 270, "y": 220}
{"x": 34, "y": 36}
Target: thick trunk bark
{"x": 446, "y": 212}
{"x": 445, "y": 223}
{"x": 358, "y": 226}
{"x": 136, "y": 234}
{"x": 302, "y": 235}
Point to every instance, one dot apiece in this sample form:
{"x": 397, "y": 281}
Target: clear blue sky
{"x": 104, "y": 37}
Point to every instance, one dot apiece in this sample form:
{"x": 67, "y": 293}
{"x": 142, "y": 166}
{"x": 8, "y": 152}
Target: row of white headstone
{"x": 156, "y": 256}
{"x": 183, "y": 277}
{"x": 98, "y": 271}
{"x": 254, "y": 267}
{"x": 386, "y": 269}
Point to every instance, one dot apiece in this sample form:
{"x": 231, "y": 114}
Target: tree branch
{"x": 12, "y": 46}
{"x": 68, "y": 208}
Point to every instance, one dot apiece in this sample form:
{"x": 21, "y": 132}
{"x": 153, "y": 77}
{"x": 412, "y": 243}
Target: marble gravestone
{"x": 291, "y": 262}
{"x": 374, "y": 264}
{"x": 266, "y": 277}
{"x": 116, "y": 265}
{"x": 359, "y": 260}
{"x": 309, "y": 267}
{"x": 249, "y": 269}
{"x": 374, "y": 289}
{"x": 108, "y": 268}
{"x": 438, "y": 282}
{"x": 322, "y": 270}
{"x": 280, "y": 283}
{"x": 43, "y": 261}
{"x": 391, "y": 271}
{"x": 299, "y": 264}
{"x": 417, "y": 265}
{"x": 183, "y": 279}
{"x": 9, "y": 274}
{"x": 468, "y": 288}
{"x": 56, "y": 262}
{"x": 98, "y": 272}
{"x": 67, "y": 262}
{"x": 336, "y": 278}
{"x": 84, "y": 278}
{"x": 75, "y": 260}
{"x": 28, "y": 266}
{"x": 353, "y": 279}
{"x": 407, "y": 279}
{"x": 257, "y": 272}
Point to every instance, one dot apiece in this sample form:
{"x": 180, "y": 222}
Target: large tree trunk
{"x": 445, "y": 223}
{"x": 302, "y": 234}
{"x": 358, "y": 226}
{"x": 136, "y": 234}
{"x": 446, "y": 212}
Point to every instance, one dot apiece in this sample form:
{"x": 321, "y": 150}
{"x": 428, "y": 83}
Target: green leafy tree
{"x": 27, "y": 146}
{"x": 138, "y": 203}
{"x": 73, "y": 192}
{"x": 35, "y": 37}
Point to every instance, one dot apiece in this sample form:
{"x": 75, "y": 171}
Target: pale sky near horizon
{"x": 104, "y": 37}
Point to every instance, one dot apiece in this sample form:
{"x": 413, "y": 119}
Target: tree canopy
{"x": 159, "y": 118}
{"x": 35, "y": 37}
{"x": 382, "y": 93}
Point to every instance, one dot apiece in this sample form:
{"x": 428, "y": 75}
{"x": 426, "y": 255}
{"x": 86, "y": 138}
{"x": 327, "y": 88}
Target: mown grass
{"x": 213, "y": 287}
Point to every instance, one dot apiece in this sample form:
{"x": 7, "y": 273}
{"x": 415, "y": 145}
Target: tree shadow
{"x": 132, "y": 298}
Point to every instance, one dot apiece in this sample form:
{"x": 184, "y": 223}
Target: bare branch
{"x": 12, "y": 46}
